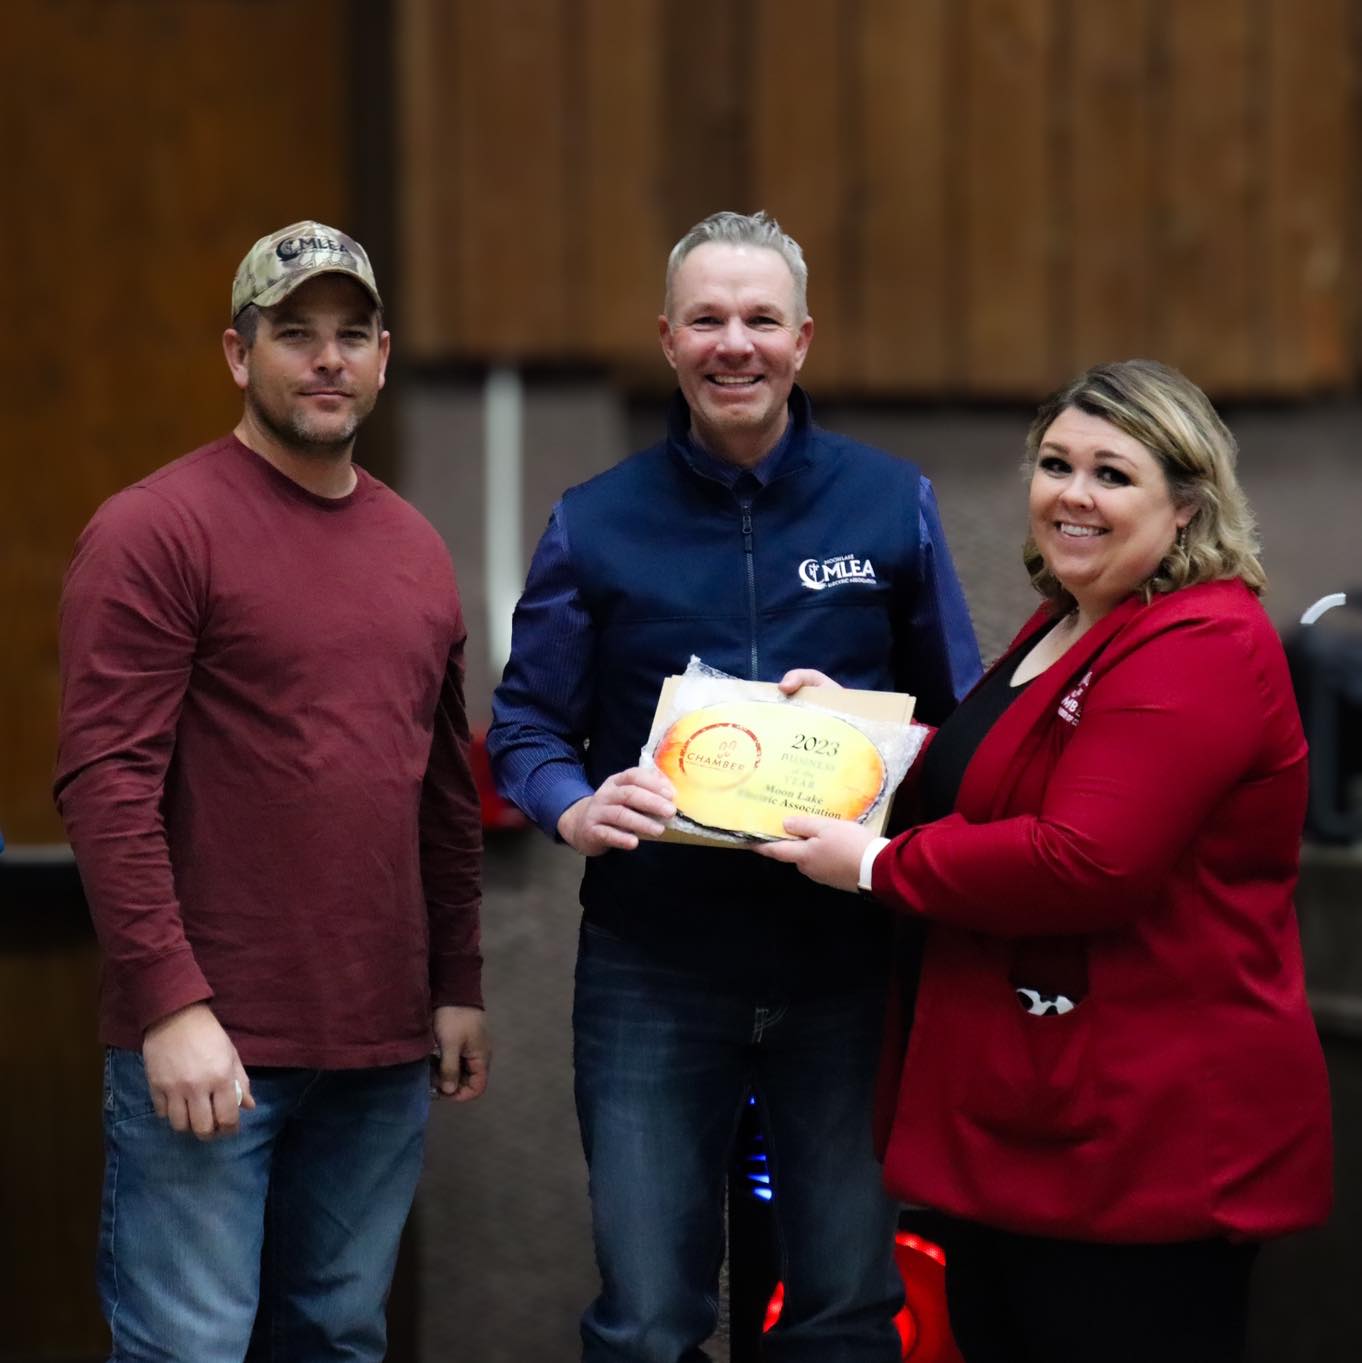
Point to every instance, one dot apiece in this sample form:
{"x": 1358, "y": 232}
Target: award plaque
{"x": 746, "y": 766}
{"x": 742, "y": 757}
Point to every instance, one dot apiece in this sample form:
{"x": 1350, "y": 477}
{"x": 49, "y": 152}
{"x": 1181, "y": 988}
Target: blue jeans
{"x": 329, "y": 1158}
{"x": 663, "y": 1067}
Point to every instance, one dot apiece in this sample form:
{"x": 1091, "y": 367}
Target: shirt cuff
{"x": 552, "y": 795}
{"x": 872, "y": 850}
{"x": 163, "y": 986}
{"x": 456, "y": 979}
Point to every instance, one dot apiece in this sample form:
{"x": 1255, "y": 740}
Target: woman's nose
{"x": 1077, "y": 489}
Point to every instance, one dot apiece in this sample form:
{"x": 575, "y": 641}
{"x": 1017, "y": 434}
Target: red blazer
{"x": 1128, "y": 832}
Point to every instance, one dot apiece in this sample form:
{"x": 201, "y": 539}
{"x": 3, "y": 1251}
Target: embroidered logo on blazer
{"x": 1071, "y": 707}
{"x": 816, "y": 574}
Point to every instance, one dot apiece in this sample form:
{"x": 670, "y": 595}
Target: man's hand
{"x": 799, "y": 677}
{"x": 826, "y": 850}
{"x": 193, "y": 1072}
{"x": 463, "y": 1053}
{"x": 628, "y": 806}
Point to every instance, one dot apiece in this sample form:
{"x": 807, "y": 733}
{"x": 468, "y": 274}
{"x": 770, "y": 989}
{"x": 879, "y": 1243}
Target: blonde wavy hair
{"x": 1174, "y": 420}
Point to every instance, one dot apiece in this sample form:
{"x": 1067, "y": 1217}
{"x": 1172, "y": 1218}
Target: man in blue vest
{"x": 704, "y": 975}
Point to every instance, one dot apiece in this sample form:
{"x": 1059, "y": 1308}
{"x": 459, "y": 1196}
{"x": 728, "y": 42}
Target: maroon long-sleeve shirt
{"x": 263, "y": 763}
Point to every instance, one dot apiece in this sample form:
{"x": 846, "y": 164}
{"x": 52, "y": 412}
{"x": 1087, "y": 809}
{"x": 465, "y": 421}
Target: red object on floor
{"x": 922, "y": 1324}
{"x": 496, "y": 812}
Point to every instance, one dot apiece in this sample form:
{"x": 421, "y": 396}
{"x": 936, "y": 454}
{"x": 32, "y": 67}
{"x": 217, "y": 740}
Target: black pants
{"x": 1030, "y": 1299}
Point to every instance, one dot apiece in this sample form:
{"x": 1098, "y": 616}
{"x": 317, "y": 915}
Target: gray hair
{"x": 743, "y": 229}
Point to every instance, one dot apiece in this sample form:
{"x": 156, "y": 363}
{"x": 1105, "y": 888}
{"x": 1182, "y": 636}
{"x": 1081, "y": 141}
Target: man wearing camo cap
{"x": 263, "y": 771}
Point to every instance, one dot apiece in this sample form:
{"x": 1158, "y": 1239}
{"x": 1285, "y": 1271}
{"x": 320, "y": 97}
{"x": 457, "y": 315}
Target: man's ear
{"x": 668, "y": 339}
{"x": 385, "y": 342}
{"x": 238, "y": 355}
{"x": 802, "y": 339}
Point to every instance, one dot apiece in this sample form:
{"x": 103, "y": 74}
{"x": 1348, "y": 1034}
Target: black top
{"x": 943, "y": 768}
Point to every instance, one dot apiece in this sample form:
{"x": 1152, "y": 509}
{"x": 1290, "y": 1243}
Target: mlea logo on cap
{"x": 292, "y": 247}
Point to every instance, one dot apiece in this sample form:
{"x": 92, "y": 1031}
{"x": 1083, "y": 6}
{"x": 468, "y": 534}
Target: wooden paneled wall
{"x": 155, "y": 140}
{"x": 991, "y": 193}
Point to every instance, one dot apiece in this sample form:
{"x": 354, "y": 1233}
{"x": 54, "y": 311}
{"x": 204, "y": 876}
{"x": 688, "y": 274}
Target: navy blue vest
{"x": 819, "y": 568}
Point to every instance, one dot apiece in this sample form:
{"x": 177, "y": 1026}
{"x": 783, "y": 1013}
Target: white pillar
{"x": 503, "y": 455}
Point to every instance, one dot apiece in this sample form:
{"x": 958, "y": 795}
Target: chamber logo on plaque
{"x": 746, "y": 766}
{"x": 716, "y": 756}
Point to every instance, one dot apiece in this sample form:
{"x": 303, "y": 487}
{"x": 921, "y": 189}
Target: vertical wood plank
{"x": 803, "y": 159}
{"x": 901, "y": 272}
{"x": 1312, "y": 182}
{"x": 1108, "y": 97}
{"x": 1210, "y": 324}
{"x": 619, "y": 232}
{"x": 485, "y": 121}
{"x": 510, "y": 134}
{"x": 707, "y": 76}
{"x": 428, "y": 181}
{"x": 1007, "y": 168}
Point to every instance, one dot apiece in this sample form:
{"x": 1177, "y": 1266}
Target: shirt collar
{"x": 789, "y": 452}
{"x": 728, "y": 474}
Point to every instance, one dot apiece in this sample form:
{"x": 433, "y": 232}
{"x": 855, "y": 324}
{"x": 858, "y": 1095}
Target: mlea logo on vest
{"x": 818, "y": 574}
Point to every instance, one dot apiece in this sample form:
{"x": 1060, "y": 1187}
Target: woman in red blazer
{"x": 1113, "y": 1089}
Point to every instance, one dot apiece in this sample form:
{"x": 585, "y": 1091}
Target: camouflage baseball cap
{"x": 278, "y": 263}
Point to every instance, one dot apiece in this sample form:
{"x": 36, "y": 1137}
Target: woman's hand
{"x": 826, "y": 850}
{"x": 799, "y": 677}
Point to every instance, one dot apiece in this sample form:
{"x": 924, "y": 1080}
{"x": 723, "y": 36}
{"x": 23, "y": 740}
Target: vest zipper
{"x": 751, "y": 582}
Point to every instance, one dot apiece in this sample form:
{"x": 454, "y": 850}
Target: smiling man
{"x": 264, "y": 774}
{"x": 736, "y": 329}
{"x": 770, "y": 548}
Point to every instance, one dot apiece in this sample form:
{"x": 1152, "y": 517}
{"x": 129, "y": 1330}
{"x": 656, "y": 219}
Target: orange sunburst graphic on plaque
{"x": 746, "y": 766}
